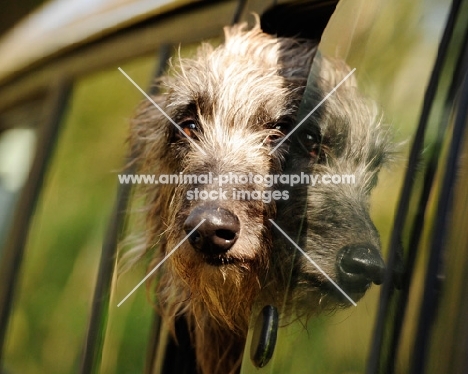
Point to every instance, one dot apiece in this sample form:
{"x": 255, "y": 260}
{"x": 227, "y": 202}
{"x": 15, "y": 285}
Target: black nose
{"x": 359, "y": 265}
{"x": 217, "y": 234}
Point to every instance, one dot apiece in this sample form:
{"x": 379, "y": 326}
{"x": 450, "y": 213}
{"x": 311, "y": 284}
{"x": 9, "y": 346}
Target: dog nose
{"x": 359, "y": 265}
{"x": 217, "y": 234}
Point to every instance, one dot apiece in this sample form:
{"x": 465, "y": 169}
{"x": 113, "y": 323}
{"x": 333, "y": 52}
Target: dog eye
{"x": 280, "y": 129}
{"x": 189, "y": 127}
{"x": 311, "y": 143}
{"x": 284, "y": 127}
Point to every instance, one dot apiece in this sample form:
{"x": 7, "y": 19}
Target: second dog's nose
{"x": 359, "y": 265}
{"x": 217, "y": 234}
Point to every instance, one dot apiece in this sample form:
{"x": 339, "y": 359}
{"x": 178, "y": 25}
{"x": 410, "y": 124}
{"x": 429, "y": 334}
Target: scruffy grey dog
{"x": 237, "y": 102}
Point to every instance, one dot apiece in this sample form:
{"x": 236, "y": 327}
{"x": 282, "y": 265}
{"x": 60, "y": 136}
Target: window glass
{"x": 449, "y": 332}
{"x": 392, "y": 45}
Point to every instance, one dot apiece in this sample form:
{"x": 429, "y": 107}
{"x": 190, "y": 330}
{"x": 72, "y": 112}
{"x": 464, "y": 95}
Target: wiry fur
{"x": 237, "y": 93}
{"x": 327, "y": 217}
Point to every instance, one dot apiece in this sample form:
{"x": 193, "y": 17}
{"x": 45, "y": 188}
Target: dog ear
{"x": 299, "y": 19}
{"x": 324, "y": 76}
{"x": 148, "y": 132}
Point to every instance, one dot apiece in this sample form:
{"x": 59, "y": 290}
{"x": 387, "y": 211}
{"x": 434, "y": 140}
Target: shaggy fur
{"x": 239, "y": 100}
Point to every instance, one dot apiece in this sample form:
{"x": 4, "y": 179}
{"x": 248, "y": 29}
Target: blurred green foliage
{"x": 59, "y": 271}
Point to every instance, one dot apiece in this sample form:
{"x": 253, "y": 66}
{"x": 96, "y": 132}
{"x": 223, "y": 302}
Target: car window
{"x": 402, "y": 332}
{"x": 448, "y": 344}
{"x": 393, "y": 64}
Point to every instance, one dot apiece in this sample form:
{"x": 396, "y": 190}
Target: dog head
{"x": 223, "y": 120}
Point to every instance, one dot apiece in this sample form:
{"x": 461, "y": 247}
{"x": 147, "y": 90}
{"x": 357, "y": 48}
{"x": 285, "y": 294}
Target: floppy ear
{"x": 324, "y": 76}
{"x": 149, "y": 140}
{"x": 295, "y": 59}
{"x": 149, "y": 134}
